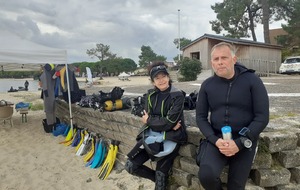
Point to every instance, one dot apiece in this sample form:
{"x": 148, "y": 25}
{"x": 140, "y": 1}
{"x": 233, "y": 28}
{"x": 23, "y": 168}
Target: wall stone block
{"x": 295, "y": 174}
{"x": 271, "y": 177}
{"x": 280, "y": 140}
{"x": 289, "y": 158}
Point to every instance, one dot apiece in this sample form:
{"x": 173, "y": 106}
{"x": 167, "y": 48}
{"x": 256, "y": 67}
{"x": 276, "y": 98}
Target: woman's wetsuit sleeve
{"x": 166, "y": 123}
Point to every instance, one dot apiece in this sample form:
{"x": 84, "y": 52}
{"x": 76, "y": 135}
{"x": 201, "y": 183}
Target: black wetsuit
{"x": 239, "y": 102}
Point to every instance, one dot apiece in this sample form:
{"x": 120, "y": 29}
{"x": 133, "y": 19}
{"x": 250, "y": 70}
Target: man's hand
{"x": 227, "y": 147}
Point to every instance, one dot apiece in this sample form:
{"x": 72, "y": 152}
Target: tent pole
{"x": 69, "y": 98}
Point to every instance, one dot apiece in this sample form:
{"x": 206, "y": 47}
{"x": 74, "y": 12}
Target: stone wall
{"x": 276, "y": 166}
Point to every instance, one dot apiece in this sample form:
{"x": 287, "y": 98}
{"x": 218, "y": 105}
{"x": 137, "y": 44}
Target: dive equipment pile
{"x": 106, "y": 101}
{"x": 97, "y": 152}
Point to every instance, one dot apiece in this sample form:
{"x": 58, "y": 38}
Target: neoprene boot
{"x": 47, "y": 128}
{"x": 160, "y": 181}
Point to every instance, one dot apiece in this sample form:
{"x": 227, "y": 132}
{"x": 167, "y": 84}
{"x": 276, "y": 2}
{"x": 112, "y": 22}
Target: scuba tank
{"x": 112, "y": 105}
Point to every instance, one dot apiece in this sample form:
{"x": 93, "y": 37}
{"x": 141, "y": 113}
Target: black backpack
{"x": 190, "y": 101}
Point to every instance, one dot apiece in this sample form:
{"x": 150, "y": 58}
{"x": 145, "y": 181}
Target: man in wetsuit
{"x": 234, "y": 96}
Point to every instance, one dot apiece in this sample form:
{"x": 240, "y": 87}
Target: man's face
{"x": 223, "y": 62}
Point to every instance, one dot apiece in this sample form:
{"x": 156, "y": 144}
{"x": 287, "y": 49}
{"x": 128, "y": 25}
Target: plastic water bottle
{"x": 226, "y": 133}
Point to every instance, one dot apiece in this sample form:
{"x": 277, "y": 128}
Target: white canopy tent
{"x": 20, "y": 54}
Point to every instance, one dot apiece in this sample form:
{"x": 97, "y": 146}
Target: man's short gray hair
{"x": 232, "y": 49}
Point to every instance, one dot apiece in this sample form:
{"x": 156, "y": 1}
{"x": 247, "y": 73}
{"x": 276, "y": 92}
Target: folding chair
{"x": 6, "y": 113}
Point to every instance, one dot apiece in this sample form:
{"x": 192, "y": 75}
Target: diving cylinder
{"x": 110, "y": 105}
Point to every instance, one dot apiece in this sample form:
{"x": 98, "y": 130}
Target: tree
{"x": 291, "y": 41}
{"x": 183, "y": 42}
{"x": 147, "y": 56}
{"x": 189, "y": 69}
{"x": 109, "y": 66}
{"x": 265, "y": 19}
{"x": 127, "y": 65}
{"x": 237, "y": 17}
{"x": 101, "y": 52}
{"x": 293, "y": 24}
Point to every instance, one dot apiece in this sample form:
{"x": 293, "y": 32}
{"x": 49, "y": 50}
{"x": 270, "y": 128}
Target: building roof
{"x": 233, "y": 41}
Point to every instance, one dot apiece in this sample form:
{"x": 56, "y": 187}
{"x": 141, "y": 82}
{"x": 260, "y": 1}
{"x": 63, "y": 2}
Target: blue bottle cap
{"x": 226, "y": 129}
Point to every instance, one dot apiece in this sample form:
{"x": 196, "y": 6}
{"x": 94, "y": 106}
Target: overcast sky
{"x": 124, "y": 25}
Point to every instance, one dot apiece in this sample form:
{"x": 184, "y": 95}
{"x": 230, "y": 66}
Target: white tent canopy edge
{"x": 20, "y": 54}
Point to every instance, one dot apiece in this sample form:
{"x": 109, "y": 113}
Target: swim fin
{"x": 98, "y": 155}
{"x": 109, "y": 161}
{"x": 76, "y": 138}
{"x": 70, "y": 142}
{"x": 112, "y": 161}
{"x": 91, "y": 152}
{"x": 82, "y": 134}
{"x": 95, "y": 151}
{"x": 102, "y": 155}
{"x": 69, "y": 137}
{"x": 66, "y": 131}
{"x": 85, "y": 145}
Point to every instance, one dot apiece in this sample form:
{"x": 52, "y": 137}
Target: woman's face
{"x": 161, "y": 81}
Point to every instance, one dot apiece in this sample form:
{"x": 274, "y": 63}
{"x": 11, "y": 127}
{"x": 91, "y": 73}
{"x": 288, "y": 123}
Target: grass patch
{"x": 289, "y": 114}
{"x": 27, "y": 96}
{"x": 37, "y": 107}
{"x": 274, "y": 117}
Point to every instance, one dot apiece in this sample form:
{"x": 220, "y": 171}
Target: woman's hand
{"x": 177, "y": 126}
{"x": 145, "y": 117}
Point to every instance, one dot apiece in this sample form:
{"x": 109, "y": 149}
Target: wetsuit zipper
{"x": 226, "y": 122}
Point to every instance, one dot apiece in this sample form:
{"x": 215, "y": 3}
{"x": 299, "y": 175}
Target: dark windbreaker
{"x": 239, "y": 102}
{"x": 171, "y": 111}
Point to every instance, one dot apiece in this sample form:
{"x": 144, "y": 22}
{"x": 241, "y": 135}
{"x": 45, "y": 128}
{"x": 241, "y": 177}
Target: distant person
{"x": 163, "y": 123}
{"x": 234, "y": 96}
{"x": 26, "y": 85}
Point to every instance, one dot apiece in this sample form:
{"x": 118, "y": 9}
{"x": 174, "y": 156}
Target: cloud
{"x": 125, "y": 25}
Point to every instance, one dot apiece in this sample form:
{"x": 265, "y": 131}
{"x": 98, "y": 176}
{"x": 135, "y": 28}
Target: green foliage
{"x": 37, "y": 106}
{"x": 20, "y": 74}
{"x": 108, "y": 62}
{"x": 293, "y": 25}
{"x": 147, "y": 56}
{"x": 287, "y": 52}
{"x": 109, "y": 66}
{"x": 176, "y": 58}
{"x": 233, "y": 17}
{"x": 183, "y": 42}
{"x": 128, "y": 65}
{"x": 101, "y": 51}
{"x": 190, "y": 68}
{"x": 238, "y": 17}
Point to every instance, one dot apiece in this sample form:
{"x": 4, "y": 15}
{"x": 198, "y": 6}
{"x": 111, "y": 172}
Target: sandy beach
{"x": 32, "y": 159}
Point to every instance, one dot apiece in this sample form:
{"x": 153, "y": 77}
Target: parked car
{"x": 290, "y": 65}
